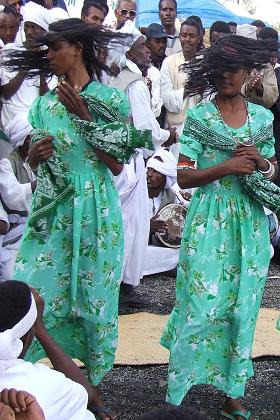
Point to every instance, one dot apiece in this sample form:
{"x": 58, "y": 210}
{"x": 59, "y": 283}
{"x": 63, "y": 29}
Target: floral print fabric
{"x": 76, "y": 265}
{"x": 224, "y": 259}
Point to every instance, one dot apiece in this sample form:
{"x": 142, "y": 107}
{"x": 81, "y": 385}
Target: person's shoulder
{"x": 153, "y": 72}
{"x": 200, "y": 111}
{"x": 258, "y": 112}
{"x": 105, "y": 92}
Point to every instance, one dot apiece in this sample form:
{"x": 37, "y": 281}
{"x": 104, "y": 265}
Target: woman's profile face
{"x": 63, "y": 57}
{"x": 230, "y": 83}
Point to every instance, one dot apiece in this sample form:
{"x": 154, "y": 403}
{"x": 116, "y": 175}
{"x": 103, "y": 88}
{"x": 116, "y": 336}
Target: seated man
{"x": 161, "y": 180}
{"x": 17, "y": 182}
{"x": 64, "y": 392}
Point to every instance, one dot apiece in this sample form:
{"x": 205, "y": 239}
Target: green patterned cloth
{"x": 256, "y": 185}
{"x": 72, "y": 250}
{"x": 224, "y": 259}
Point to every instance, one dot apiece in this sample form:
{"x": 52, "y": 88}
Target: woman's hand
{"x": 40, "y": 151}
{"x": 23, "y": 404}
{"x": 240, "y": 165}
{"x": 39, "y": 324}
{"x": 252, "y": 153}
{"x": 71, "y": 99}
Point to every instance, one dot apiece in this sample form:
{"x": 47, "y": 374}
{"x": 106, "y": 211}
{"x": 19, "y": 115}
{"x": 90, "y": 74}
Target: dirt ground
{"x": 132, "y": 391}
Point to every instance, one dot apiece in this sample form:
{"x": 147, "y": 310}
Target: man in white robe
{"x": 17, "y": 182}
{"x": 133, "y": 59}
{"x": 162, "y": 189}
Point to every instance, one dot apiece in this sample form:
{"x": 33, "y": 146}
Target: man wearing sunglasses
{"x": 125, "y": 10}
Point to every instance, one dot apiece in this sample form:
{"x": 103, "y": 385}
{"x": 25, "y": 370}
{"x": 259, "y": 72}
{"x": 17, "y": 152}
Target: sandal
{"x": 236, "y": 413}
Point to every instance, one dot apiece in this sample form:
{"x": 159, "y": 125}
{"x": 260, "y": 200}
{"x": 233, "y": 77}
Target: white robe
{"x": 17, "y": 197}
{"x": 133, "y": 192}
{"x": 59, "y": 397}
{"x": 159, "y": 259}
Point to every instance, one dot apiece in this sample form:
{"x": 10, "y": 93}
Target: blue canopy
{"x": 208, "y": 10}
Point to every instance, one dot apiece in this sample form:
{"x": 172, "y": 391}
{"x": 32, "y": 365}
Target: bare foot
{"x": 98, "y": 403}
{"x": 232, "y": 404}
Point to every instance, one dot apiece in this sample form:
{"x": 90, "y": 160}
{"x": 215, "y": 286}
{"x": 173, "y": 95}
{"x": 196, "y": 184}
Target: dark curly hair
{"x": 229, "y": 54}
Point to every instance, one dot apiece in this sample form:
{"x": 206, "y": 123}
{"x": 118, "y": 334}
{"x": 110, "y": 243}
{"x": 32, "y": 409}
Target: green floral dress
{"x": 77, "y": 267}
{"x": 224, "y": 259}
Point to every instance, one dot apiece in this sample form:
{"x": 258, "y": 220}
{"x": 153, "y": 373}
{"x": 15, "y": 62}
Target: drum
{"x": 174, "y": 215}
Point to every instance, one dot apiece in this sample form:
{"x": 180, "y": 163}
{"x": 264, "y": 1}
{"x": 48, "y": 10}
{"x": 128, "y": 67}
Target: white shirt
{"x": 16, "y": 196}
{"x": 156, "y": 101}
{"x": 59, "y": 397}
{"x": 173, "y": 99}
{"x": 22, "y": 100}
{"x": 142, "y": 114}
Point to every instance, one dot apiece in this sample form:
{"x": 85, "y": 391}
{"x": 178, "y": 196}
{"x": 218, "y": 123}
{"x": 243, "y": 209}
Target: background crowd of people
{"x": 101, "y": 131}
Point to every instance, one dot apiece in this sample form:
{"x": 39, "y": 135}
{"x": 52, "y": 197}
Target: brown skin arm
{"x": 3, "y": 227}
{"x": 190, "y": 178}
{"x": 70, "y": 98}
{"x": 13, "y": 86}
{"x": 60, "y": 361}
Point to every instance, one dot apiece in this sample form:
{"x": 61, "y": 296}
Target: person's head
{"x": 156, "y": 41}
{"x": 161, "y": 171}
{"x": 125, "y": 10}
{"x": 168, "y": 412}
{"x": 18, "y": 315}
{"x": 35, "y": 19}
{"x": 268, "y": 33}
{"x": 190, "y": 37}
{"x": 16, "y": 4}
{"x": 259, "y": 24}
{"x": 9, "y": 24}
{"x": 217, "y": 30}
{"x": 199, "y": 21}
{"x": 93, "y": 13}
{"x": 224, "y": 67}
{"x": 139, "y": 54}
{"x": 167, "y": 13}
{"x": 18, "y": 131}
{"x": 232, "y": 27}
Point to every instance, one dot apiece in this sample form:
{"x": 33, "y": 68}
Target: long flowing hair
{"x": 229, "y": 54}
{"x": 33, "y": 59}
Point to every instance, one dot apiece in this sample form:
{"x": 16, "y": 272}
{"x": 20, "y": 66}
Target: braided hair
{"x": 229, "y": 54}
{"x": 34, "y": 59}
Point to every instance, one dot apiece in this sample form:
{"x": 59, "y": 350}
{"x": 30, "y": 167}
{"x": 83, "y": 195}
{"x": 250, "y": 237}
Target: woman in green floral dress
{"x": 72, "y": 251}
{"x": 225, "y": 250}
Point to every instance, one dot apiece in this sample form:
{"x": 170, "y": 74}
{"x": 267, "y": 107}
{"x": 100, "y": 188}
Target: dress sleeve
{"x": 266, "y": 146}
{"x": 189, "y": 146}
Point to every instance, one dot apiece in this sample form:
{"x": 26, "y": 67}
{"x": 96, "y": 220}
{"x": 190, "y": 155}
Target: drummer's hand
{"x": 186, "y": 195}
{"x": 157, "y": 225}
{"x": 71, "y": 99}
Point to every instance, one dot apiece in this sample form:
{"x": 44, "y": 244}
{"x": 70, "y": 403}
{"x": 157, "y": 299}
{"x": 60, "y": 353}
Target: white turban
{"x": 56, "y": 14}
{"x": 17, "y": 130}
{"x": 246, "y": 30}
{"x": 10, "y": 344}
{"x": 117, "y": 51}
{"x": 167, "y": 167}
{"x": 33, "y": 12}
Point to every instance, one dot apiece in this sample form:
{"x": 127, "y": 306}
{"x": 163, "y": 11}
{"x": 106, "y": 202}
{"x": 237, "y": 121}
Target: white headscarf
{"x": 10, "y": 344}
{"x": 167, "y": 167}
{"x": 56, "y": 14}
{"x": 33, "y": 12}
{"x": 249, "y": 31}
{"x": 117, "y": 51}
{"x": 17, "y": 130}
